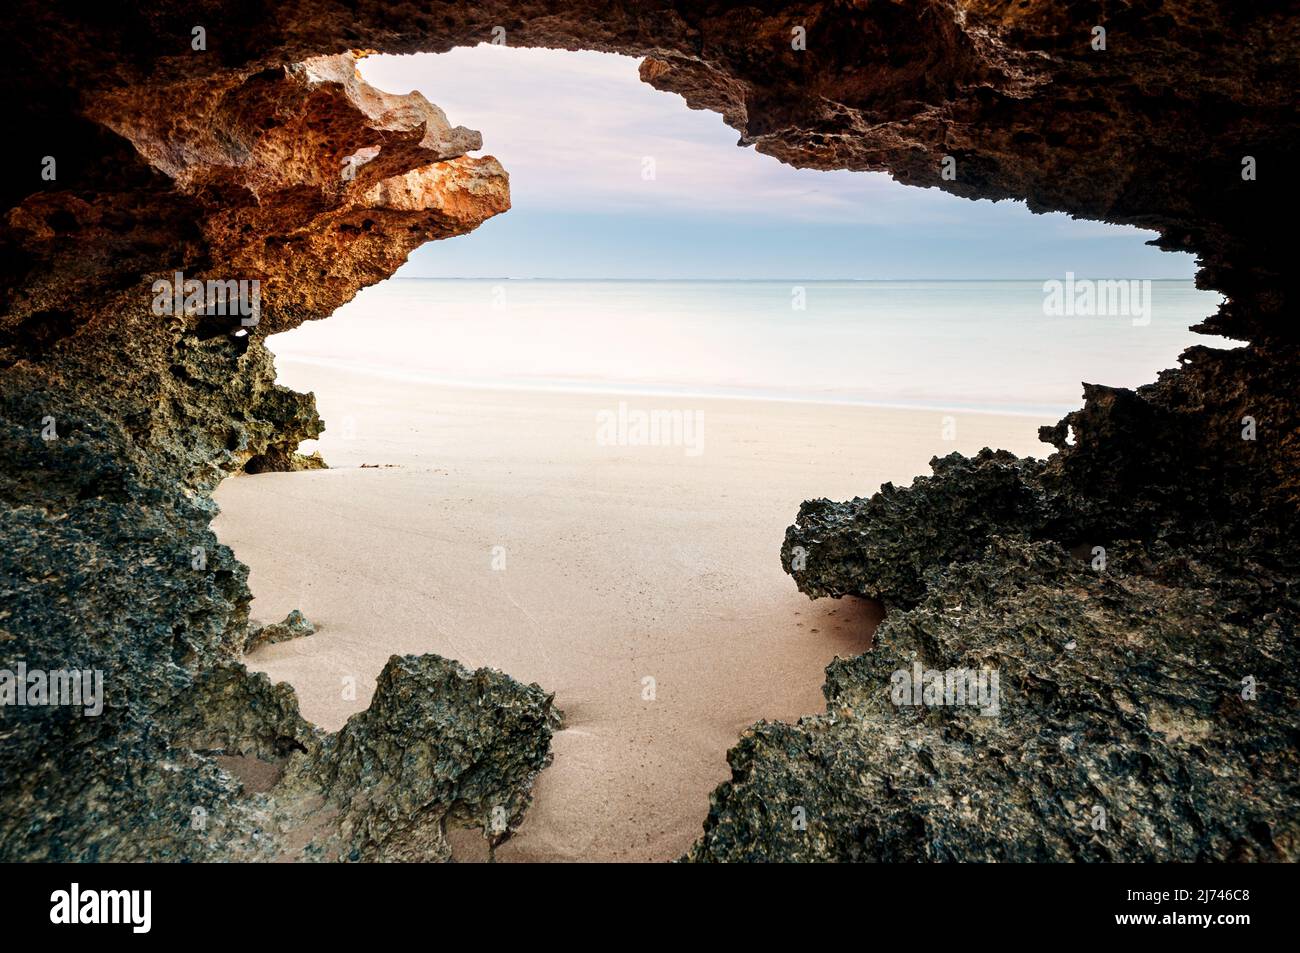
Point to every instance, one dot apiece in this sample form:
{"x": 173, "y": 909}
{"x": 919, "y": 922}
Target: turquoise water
{"x": 970, "y": 345}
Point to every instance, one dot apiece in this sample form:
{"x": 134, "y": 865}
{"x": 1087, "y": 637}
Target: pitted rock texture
{"x": 116, "y": 422}
{"x": 1121, "y": 731}
{"x": 1137, "y": 594}
{"x": 1207, "y": 456}
{"x": 438, "y": 746}
{"x": 294, "y": 626}
{"x": 881, "y": 548}
{"x": 262, "y": 157}
{"x": 1151, "y": 131}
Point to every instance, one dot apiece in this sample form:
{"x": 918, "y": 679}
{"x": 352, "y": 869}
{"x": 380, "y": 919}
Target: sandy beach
{"x": 641, "y": 584}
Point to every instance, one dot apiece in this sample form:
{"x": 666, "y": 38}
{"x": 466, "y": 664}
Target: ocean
{"x": 999, "y": 346}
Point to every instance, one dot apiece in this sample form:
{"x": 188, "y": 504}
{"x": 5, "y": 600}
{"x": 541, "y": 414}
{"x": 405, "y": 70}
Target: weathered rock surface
{"x": 294, "y": 626}
{"x": 116, "y": 422}
{"x": 883, "y": 548}
{"x": 438, "y": 746}
{"x": 1137, "y": 593}
{"x": 1121, "y": 732}
{"x": 1124, "y": 667}
{"x": 263, "y": 157}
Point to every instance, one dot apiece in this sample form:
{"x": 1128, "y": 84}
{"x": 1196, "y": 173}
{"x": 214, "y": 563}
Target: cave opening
{"x": 1141, "y": 717}
{"x": 567, "y": 446}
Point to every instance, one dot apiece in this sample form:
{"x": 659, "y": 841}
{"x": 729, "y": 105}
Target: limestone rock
{"x": 439, "y": 746}
{"x": 1122, "y": 732}
{"x": 883, "y": 547}
{"x": 1134, "y": 593}
{"x": 294, "y": 626}
{"x": 264, "y": 157}
{"x": 117, "y": 421}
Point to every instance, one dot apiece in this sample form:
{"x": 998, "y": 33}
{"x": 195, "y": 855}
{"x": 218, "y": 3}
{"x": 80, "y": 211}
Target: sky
{"x": 578, "y": 132}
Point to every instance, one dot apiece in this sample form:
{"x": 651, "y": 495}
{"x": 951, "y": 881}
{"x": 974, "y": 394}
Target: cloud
{"x": 575, "y": 129}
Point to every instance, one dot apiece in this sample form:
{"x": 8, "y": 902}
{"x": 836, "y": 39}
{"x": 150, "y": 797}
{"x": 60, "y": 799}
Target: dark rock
{"x": 260, "y": 159}
{"x": 439, "y": 746}
{"x": 294, "y": 626}
{"x": 1121, "y": 735}
{"x": 296, "y": 420}
{"x": 882, "y": 548}
{"x": 116, "y": 423}
{"x": 1123, "y": 589}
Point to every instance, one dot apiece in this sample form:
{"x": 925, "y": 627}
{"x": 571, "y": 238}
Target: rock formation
{"x": 294, "y": 626}
{"x": 438, "y": 746}
{"x": 118, "y": 417}
{"x": 234, "y": 143}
